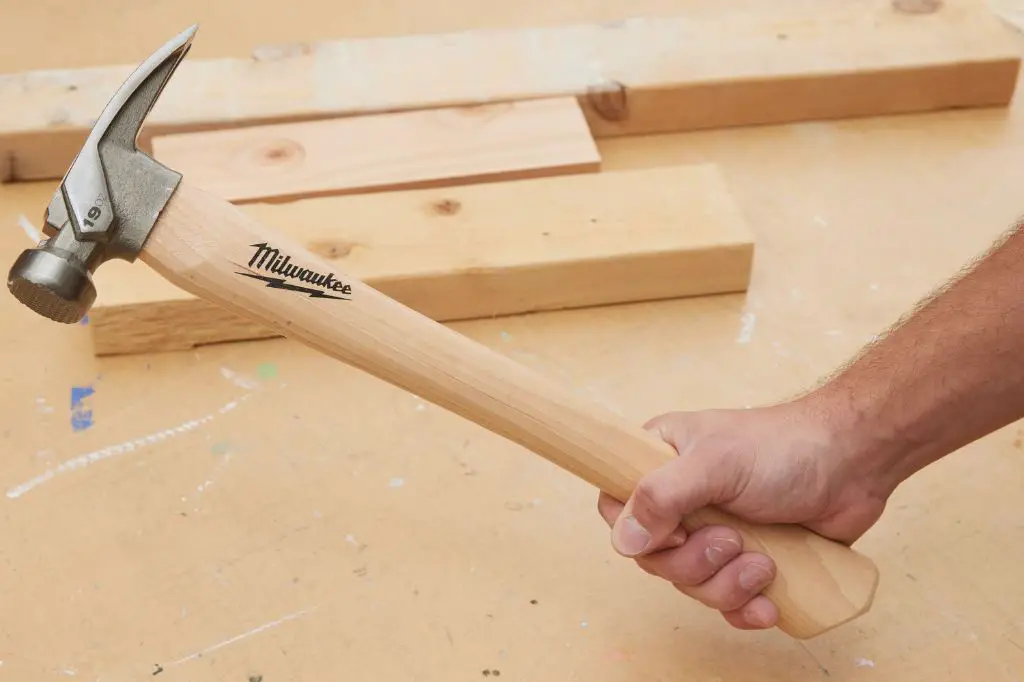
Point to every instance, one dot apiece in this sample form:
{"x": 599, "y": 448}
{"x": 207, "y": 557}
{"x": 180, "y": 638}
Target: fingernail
{"x": 630, "y": 538}
{"x": 721, "y": 550}
{"x": 754, "y": 577}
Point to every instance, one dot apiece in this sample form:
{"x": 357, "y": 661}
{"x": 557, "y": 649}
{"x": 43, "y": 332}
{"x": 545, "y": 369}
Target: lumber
{"x": 474, "y": 251}
{"x": 377, "y": 152}
{"x": 711, "y": 65}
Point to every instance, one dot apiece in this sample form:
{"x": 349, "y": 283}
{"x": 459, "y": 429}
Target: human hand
{"x": 779, "y": 464}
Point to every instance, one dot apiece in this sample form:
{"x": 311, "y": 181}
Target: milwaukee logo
{"x": 269, "y": 259}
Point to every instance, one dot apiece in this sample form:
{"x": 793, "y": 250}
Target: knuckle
{"x": 652, "y": 499}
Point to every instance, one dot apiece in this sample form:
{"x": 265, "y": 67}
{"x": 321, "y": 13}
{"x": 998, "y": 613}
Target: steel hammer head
{"x": 107, "y": 202}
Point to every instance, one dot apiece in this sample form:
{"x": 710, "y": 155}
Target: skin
{"x": 949, "y": 372}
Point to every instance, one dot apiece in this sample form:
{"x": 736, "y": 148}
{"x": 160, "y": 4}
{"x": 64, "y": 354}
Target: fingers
{"x": 711, "y": 567}
{"x": 735, "y": 584}
{"x": 708, "y": 550}
{"x": 757, "y": 614}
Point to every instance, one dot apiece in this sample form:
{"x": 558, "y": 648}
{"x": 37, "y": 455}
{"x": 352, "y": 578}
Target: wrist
{"x": 864, "y": 449}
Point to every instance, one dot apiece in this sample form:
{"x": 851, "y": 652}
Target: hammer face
{"x": 108, "y": 201}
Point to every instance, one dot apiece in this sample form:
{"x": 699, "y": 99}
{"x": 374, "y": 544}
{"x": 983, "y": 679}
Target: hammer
{"x": 117, "y": 202}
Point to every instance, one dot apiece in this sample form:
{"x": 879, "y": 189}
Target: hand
{"x": 775, "y": 464}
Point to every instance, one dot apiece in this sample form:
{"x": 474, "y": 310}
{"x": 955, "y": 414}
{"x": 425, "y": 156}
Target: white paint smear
{"x": 237, "y": 379}
{"x": 33, "y": 233}
{"x": 238, "y": 638}
{"x": 396, "y": 482}
{"x": 747, "y": 330}
{"x": 85, "y": 460}
{"x": 865, "y": 663}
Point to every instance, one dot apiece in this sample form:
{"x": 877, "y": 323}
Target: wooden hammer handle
{"x": 215, "y": 251}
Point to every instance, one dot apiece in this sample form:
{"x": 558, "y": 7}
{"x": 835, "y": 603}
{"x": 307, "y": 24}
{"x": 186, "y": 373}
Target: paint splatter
{"x": 84, "y": 321}
{"x": 81, "y": 413}
{"x": 747, "y": 323}
{"x": 396, "y": 482}
{"x": 505, "y": 336}
{"x": 864, "y": 663}
{"x": 85, "y": 460}
{"x": 42, "y": 406}
{"x": 237, "y": 379}
{"x": 221, "y": 448}
{"x": 266, "y": 370}
{"x": 237, "y": 638}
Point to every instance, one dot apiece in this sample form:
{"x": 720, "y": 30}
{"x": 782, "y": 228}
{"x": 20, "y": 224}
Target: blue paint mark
{"x": 84, "y": 321}
{"x": 81, "y": 414}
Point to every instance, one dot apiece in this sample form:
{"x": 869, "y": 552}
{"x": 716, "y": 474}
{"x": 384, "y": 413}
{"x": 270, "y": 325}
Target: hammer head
{"x": 106, "y": 203}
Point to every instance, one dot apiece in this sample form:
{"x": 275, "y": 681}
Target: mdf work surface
{"x": 255, "y": 511}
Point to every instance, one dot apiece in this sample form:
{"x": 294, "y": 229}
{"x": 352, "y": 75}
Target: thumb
{"x": 650, "y": 519}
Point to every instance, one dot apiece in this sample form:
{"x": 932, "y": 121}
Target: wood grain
{"x": 430, "y": 148}
{"x": 707, "y": 66}
{"x": 474, "y": 251}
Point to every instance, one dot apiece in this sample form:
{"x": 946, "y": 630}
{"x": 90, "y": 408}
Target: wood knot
{"x": 917, "y": 6}
{"x": 332, "y": 249}
{"x": 610, "y": 100}
{"x": 446, "y": 207}
{"x": 278, "y": 152}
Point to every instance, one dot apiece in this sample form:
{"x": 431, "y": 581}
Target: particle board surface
{"x": 474, "y": 251}
{"x": 705, "y": 66}
{"x": 401, "y": 150}
{"x": 253, "y": 511}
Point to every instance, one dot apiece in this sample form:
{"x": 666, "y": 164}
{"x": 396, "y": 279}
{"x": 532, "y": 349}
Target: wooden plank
{"x": 474, "y": 251}
{"x": 403, "y": 150}
{"x": 711, "y": 65}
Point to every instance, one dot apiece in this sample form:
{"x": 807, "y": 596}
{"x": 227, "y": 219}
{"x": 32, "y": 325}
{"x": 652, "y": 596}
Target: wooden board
{"x": 475, "y": 251}
{"x": 708, "y": 66}
{"x": 402, "y": 150}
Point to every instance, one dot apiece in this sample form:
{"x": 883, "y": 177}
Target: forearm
{"x": 949, "y": 373}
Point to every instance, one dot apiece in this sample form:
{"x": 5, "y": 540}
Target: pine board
{"x": 710, "y": 65}
{"x": 474, "y": 251}
{"x": 400, "y": 150}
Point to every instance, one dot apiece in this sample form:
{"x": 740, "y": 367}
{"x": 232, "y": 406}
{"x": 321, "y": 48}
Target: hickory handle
{"x": 202, "y": 244}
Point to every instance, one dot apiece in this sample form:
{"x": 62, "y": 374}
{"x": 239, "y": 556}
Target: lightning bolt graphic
{"x": 278, "y": 283}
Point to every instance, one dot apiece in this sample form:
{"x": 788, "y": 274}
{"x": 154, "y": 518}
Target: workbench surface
{"x": 255, "y": 511}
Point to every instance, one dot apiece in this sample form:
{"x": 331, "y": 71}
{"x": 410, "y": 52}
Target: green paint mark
{"x": 267, "y": 370}
{"x": 221, "y": 448}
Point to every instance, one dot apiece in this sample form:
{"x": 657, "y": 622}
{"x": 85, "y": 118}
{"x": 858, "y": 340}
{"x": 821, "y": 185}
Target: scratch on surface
{"x": 88, "y": 458}
{"x": 747, "y": 329}
{"x": 814, "y": 658}
{"x": 31, "y": 230}
{"x": 238, "y": 638}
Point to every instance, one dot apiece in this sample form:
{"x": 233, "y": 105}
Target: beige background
{"x": 272, "y": 540}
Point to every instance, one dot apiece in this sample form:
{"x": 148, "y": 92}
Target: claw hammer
{"x": 115, "y": 201}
